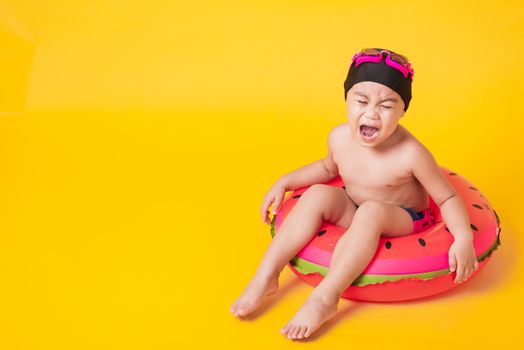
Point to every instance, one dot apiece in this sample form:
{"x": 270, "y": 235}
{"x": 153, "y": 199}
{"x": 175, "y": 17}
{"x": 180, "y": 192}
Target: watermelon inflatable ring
{"x": 403, "y": 268}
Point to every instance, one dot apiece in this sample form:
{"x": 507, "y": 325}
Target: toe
{"x": 234, "y": 310}
{"x": 290, "y": 331}
{"x": 301, "y": 332}
{"x": 294, "y": 335}
{"x": 233, "y": 307}
{"x": 308, "y": 332}
{"x": 297, "y": 333}
{"x": 242, "y": 311}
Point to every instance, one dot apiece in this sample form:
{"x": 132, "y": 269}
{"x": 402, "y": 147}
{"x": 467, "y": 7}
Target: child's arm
{"x": 319, "y": 171}
{"x": 462, "y": 253}
{"x": 316, "y": 172}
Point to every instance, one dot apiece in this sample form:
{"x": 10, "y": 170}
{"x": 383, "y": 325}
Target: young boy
{"x": 388, "y": 175}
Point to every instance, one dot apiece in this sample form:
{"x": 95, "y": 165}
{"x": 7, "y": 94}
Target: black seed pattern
{"x": 473, "y": 227}
{"x": 452, "y": 174}
{"x": 388, "y": 245}
{"x": 321, "y": 233}
{"x": 344, "y": 187}
{"x": 473, "y": 188}
{"x": 297, "y": 196}
{"x": 477, "y": 206}
{"x": 447, "y": 229}
{"x": 422, "y": 242}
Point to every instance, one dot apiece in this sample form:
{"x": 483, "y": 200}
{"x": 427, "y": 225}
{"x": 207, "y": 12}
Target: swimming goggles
{"x": 393, "y": 60}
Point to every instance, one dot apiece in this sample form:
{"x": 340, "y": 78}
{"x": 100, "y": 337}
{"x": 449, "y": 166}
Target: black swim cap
{"x": 381, "y": 73}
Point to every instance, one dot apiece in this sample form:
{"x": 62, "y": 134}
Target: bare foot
{"x": 317, "y": 309}
{"x": 260, "y": 286}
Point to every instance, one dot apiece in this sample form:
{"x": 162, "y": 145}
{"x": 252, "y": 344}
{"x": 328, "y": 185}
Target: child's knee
{"x": 317, "y": 194}
{"x": 372, "y": 210}
{"x": 330, "y": 202}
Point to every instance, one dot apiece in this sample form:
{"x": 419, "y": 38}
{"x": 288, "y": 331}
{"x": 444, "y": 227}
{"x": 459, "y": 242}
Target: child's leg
{"x": 318, "y": 203}
{"x": 352, "y": 254}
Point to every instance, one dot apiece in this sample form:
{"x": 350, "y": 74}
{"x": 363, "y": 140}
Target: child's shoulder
{"x": 337, "y": 129}
{"x": 413, "y": 146}
{"x": 338, "y": 133}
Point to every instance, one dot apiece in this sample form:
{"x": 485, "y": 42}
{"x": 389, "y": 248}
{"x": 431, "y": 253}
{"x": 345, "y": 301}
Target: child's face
{"x": 373, "y": 112}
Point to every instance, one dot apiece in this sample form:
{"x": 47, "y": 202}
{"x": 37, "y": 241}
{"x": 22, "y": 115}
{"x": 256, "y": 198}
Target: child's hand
{"x": 462, "y": 258}
{"x": 275, "y": 195}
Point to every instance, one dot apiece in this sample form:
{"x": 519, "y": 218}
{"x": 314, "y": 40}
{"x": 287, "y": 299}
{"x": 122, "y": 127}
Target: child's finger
{"x": 467, "y": 272}
{"x": 276, "y": 206}
{"x": 278, "y": 201}
{"x": 266, "y": 215}
{"x": 471, "y": 271}
{"x": 452, "y": 263}
{"x": 265, "y": 206}
{"x": 263, "y": 212}
{"x": 460, "y": 273}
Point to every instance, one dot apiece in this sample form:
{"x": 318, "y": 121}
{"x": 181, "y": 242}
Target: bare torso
{"x": 382, "y": 175}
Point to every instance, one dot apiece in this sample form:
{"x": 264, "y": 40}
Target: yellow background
{"x": 138, "y": 139}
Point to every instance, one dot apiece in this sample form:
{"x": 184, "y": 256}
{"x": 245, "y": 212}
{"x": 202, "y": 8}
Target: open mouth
{"x": 368, "y": 133}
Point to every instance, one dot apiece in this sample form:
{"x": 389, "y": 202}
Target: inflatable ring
{"x": 406, "y": 267}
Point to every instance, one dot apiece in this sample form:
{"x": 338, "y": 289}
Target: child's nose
{"x": 372, "y": 115}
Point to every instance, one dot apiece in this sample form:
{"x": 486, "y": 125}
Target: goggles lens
{"x": 403, "y": 60}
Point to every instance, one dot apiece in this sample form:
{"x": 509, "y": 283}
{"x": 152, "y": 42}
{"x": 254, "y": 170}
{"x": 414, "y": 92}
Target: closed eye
{"x": 387, "y": 107}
